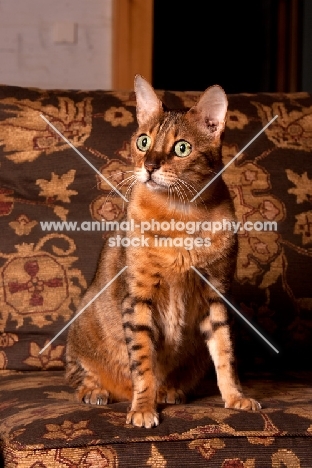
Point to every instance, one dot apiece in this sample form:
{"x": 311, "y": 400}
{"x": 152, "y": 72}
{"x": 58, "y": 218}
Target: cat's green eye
{"x": 182, "y": 148}
{"x": 143, "y": 142}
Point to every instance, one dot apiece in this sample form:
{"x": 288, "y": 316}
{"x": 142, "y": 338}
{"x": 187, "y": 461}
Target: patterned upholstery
{"x": 45, "y": 269}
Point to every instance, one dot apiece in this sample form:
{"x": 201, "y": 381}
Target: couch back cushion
{"x": 46, "y": 267}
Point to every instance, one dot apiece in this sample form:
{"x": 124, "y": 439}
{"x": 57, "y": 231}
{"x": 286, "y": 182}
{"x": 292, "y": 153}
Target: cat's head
{"x": 177, "y": 151}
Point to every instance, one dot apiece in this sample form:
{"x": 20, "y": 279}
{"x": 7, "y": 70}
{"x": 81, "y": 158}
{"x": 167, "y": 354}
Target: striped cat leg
{"x": 216, "y": 331}
{"x": 140, "y": 339}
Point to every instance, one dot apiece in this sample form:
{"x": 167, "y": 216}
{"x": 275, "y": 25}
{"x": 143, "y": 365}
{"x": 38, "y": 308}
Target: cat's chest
{"x": 177, "y": 305}
{"x": 176, "y": 239}
{"x": 172, "y": 316}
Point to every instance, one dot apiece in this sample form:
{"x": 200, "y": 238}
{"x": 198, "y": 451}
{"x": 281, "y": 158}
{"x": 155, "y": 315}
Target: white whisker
{"x": 192, "y": 190}
{"x": 181, "y": 194}
{"x": 130, "y": 186}
{"x": 123, "y": 182}
{"x": 116, "y": 174}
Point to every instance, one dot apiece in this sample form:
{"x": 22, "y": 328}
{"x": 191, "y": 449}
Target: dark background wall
{"x": 243, "y": 45}
{"x": 306, "y": 78}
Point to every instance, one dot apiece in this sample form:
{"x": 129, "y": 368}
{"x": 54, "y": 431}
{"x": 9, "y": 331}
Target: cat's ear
{"x": 148, "y": 105}
{"x": 211, "y": 110}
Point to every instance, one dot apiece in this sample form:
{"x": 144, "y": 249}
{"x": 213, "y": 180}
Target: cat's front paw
{"x": 246, "y": 404}
{"x": 145, "y": 419}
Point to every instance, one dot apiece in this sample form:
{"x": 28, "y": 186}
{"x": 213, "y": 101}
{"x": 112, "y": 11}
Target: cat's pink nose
{"x": 151, "y": 166}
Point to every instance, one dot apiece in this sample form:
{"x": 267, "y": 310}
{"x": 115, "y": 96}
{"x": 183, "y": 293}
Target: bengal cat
{"x": 150, "y": 336}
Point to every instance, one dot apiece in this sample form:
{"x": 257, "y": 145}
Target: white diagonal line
{"x": 83, "y": 157}
{"x": 232, "y": 160}
{"x": 234, "y": 308}
{"x": 84, "y": 308}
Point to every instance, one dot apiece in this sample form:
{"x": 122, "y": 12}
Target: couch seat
{"x": 43, "y": 427}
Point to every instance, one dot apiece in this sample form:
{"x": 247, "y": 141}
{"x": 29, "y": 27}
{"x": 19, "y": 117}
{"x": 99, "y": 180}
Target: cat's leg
{"x": 140, "y": 339}
{"x": 216, "y": 331}
{"x": 96, "y": 383}
{"x": 170, "y": 395}
{"x": 88, "y": 387}
{"x": 91, "y": 392}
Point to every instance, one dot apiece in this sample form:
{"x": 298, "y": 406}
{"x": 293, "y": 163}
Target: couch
{"x": 46, "y": 265}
